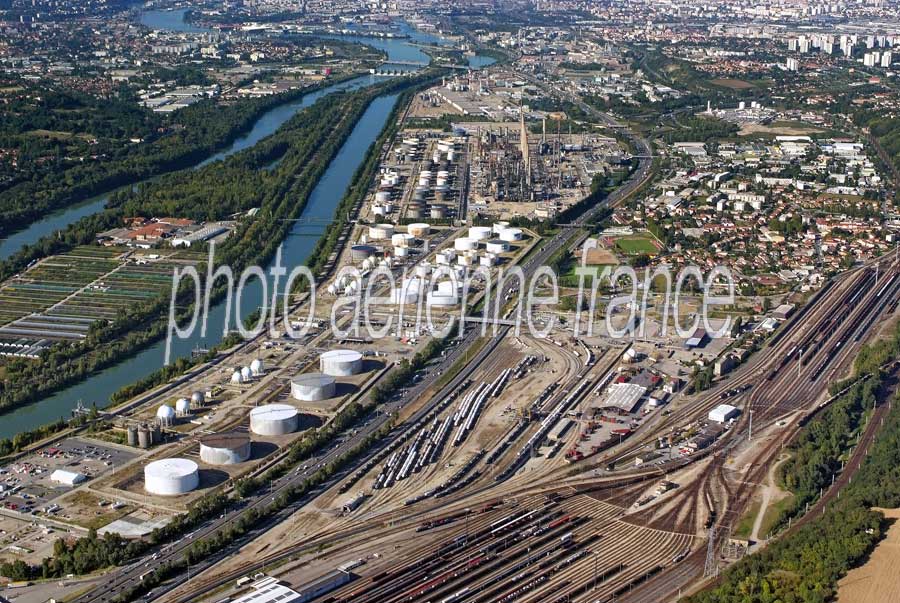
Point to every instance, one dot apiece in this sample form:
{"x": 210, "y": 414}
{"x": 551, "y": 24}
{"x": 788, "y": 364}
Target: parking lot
{"x": 26, "y": 485}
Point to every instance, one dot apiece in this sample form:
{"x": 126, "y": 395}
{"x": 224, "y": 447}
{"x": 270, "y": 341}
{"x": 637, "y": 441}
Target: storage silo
{"x": 132, "y": 435}
{"x": 312, "y": 387}
{"x": 171, "y": 477}
{"x": 341, "y": 363}
{"x": 145, "y": 439}
{"x": 274, "y": 419}
{"x": 225, "y": 448}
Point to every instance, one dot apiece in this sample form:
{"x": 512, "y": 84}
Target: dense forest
{"x": 40, "y": 126}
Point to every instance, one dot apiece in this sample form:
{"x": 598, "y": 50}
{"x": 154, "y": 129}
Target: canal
{"x": 295, "y": 250}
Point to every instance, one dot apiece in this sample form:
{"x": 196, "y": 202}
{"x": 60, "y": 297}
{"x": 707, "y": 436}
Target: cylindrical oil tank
{"x": 402, "y": 239}
{"x": 358, "y": 253}
{"x": 438, "y": 212}
{"x": 415, "y": 211}
{"x": 382, "y": 196}
{"x": 274, "y": 419}
{"x": 380, "y": 232}
{"x": 380, "y": 210}
{"x": 419, "y": 230}
{"x": 144, "y": 438}
{"x": 340, "y": 363}
{"x": 401, "y": 252}
{"x": 499, "y": 227}
{"x": 511, "y": 234}
{"x": 171, "y": 477}
{"x": 480, "y": 233}
{"x": 132, "y": 437}
{"x": 497, "y": 246}
{"x": 489, "y": 259}
{"x": 464, "y": 260}
{"x": 228, "y": 448}
{"x": 465, "y": 244}
{"x": 438, "y": 299}
{"x": 312, "y": 387}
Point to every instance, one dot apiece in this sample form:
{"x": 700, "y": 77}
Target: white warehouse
{"x": 723, "y": 413}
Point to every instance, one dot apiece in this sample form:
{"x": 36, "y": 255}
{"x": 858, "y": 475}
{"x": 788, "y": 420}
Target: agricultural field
{"x": 876, "y": 581}
{"x": 60, "y": 297}
{"x": 734, "y": 84}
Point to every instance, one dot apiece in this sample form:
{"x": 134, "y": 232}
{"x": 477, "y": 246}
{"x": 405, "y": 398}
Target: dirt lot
{"x": 879, "y": 579}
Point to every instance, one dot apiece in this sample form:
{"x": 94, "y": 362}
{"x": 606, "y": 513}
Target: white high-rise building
{"x": 869, "y": 59}
{"x": 886, "y": 59}
{"x": 793, "y": 64}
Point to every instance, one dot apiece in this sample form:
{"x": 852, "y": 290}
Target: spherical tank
{"x": 312, "y": 387}
{"x": 171, "y": 477}
{"x": 198, "y": 398}
{"x": 225, "y": 448}
{"x": 273, "y": 419}
{"x": 182, "y": 406}
{"x": 338, "y": 363}
{"x": 165, "y": 414}
{"x": 257, "y": 368}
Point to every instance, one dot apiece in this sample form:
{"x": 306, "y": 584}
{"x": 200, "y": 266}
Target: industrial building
{"x": 313, "y": 387}
{"x": 67, "y": 478}
{"x": 625, "y": 396}
{"x": 274, "y": 419}
{"x": 225, "y": 448}
{"x": 171, "y": 477}
{"x": 723, "y": 413}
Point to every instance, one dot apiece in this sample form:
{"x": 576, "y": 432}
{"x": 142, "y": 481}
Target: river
{"x": 296, "y": 247}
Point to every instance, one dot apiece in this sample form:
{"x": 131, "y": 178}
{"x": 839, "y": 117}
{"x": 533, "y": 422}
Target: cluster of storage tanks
{"x": 248, "y": 373}
{"x": 496, "y": 241}
{"x": 144, "y": 435}
{"x": 384, "y": 197}
{"x": 432, "y": 195}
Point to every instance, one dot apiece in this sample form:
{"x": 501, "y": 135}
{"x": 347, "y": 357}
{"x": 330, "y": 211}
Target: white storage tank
{"x": 382, "y": 196}
{"x": 312, "y": 387}
{"x": 165, "y": 415}
{"x": 500, "y": 227}
{"x": 225, "y": 448}
{"x": 246, "y": 374}
{"x": 423, "y": 270}
{"x": 236, "y": 377}
{"x": 257, "y": 368}
{"x": 401, "y": 252}
{"x": 480, "y": 233}
{"x": 274, "y": 419}
{"x": 464, "y": 260}
{"x": 182, "y": 407}
{"x": 442, "y": 300}
{"x": 340, "y": 363}
{"x": 402, "y": 239}
{"x": 511, "y": 234}
{"x": 497, "y": 246}
{"x": 380, "y": 210}
{"x": 419, "y": 230}
{"x": 380, "y": 232}
{"x": 198, "y": 399}
{"x": 465, "y": 244}
{"x": 488, "y": 260}
{"x": 171, "y": 477}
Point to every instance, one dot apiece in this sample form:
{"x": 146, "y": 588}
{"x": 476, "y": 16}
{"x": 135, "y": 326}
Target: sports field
{"x": 636, "y": 245}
